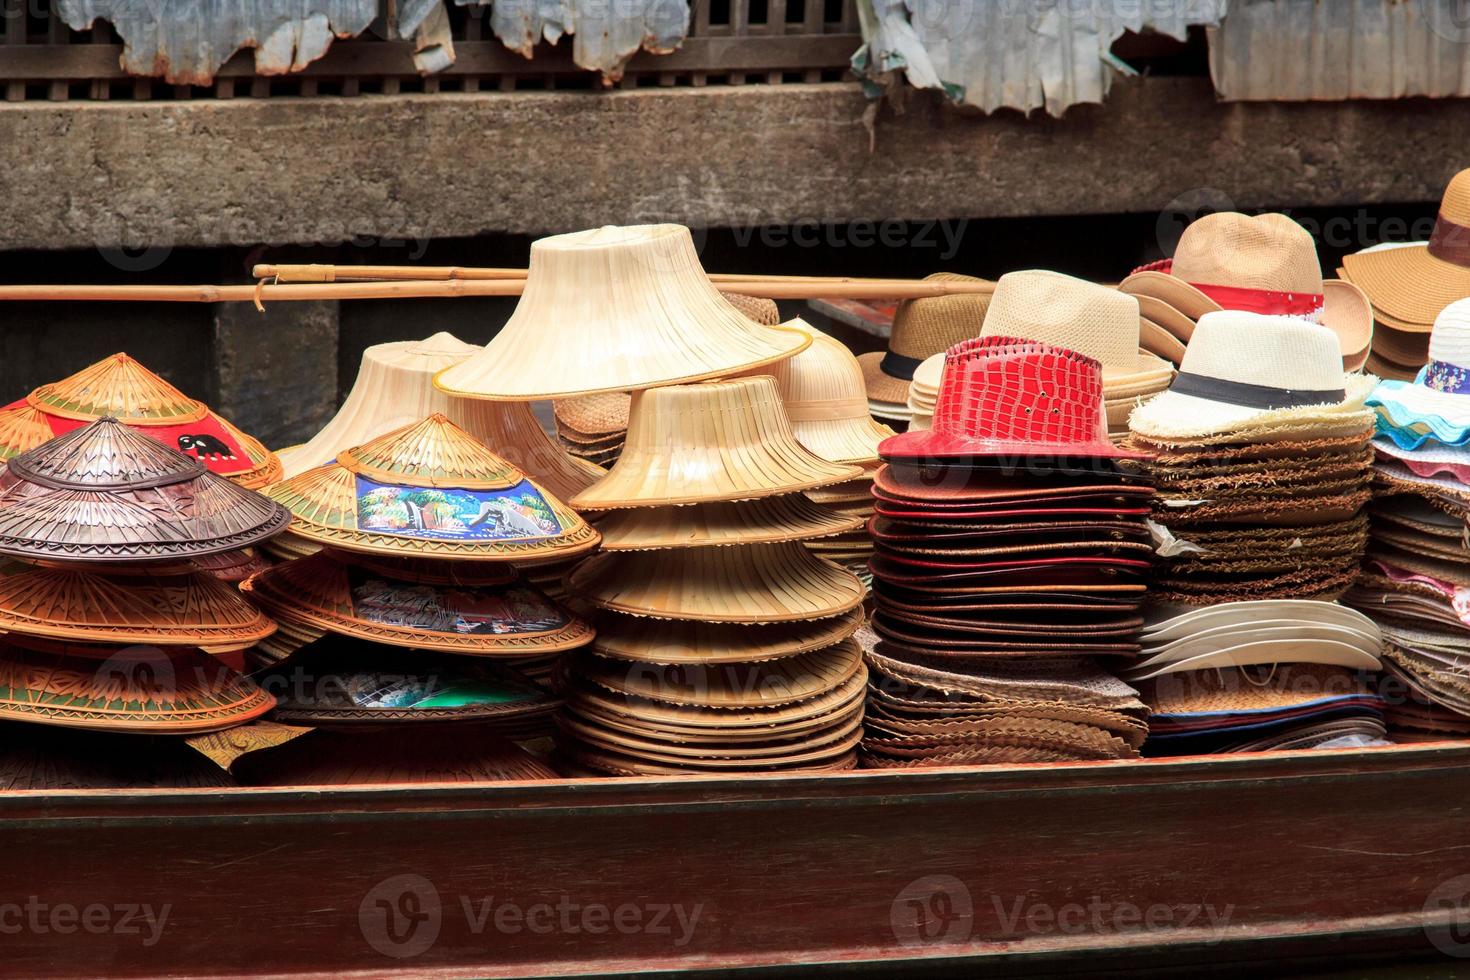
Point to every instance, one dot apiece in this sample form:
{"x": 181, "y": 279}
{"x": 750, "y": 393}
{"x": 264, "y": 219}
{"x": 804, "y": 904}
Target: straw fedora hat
{"x": 614, "y": 309}
{"x": 722, "y": 440}
{"x": 434, "y": 754}
{"x": 789, "y": 517}
{"x": 1414, "y": 283}
{"x": 822, "y": 388}
{"x": 1093, "y": 320}
{"x": 1264, "y": 264}
{"x": 921, "y": 329}
{"x": 1251, "y": 370}
{"x": 431, "y": 490}
{"x": 121, "y": 388}
{"x": 1436, "y": 405}
{"x": 325, "y": 594}
{"x": 106, "y": 493}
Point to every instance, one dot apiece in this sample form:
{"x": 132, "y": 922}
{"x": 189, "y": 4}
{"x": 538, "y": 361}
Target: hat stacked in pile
{"x": 924, "y": 392}
{"x": 822, "y": 391}
{"x": 1264, "y": 264}
{"x": 1012, "y": 556}
{"x": 921, "y": 328}
{"x": 723, "y": 644}
{"x": 1409, "y": 284}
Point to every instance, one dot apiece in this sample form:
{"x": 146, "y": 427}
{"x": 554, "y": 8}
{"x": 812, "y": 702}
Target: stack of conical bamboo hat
{"x": 119, "y": 387}
{"x": 826, "y": 402}
{"x": 107, "y": 623}
{"x": 723, "y": 644}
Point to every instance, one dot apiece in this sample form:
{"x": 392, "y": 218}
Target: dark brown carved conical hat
{"x": 435, "y": 754}
{"x": 106, "y": 493}
{"x": 43, "y": 757}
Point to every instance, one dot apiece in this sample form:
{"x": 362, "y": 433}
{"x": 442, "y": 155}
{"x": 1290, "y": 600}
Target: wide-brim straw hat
{"x": 136, "y": 689}
{"x": 762, "y": 583}
{"x": 1232, "y": 692}
{"x": 325, "y": 593}
{"x": 430, "y": 754}
{"x": 431, "y": 490}
{"x": 921, "y": 328}
{"x": 1430, "y": 459}
{"x": 717, "y": 441}
{"x": 1437, "y": 404}
{"x": 789, "y": 517}
{"x": 1414, "y": 283}
{"x": 1250, "y": 370}
{"x": 642, "y": 640}
{"x": 106, "y": 493}
{"x": 121, "y": 388}
{"x": 616, "y": 309}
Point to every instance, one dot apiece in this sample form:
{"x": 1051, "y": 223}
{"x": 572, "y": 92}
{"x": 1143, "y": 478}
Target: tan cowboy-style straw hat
{"x": 1264, "y": 264}
{"x": 822, "y": 388}
{"x": 616, "y": 309}
{"x": 921, "y": 328}
{"x": 1413, "y": 284}
{"x": 721, "y": 440}
{"x": 429, "y": 489}
{"x": 1093, "y": 320}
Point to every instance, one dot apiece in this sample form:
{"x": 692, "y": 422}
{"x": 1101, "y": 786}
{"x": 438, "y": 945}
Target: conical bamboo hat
{"x": 430, "y": 490}
{"x": 71, "y": 604}
{"x": 134, "y": 689}
{"x": 439, "y": 754}
{"x": 615, "y": 309}
{"x": 827, "y": 400}
{"x": 105, "y": 493}
{"x": 759, "y": 583}
{"x": 723, "y": 440}
{"x": 682, "y": 642}
{"x": 504, "y": 620}
{"x": 43, "y": 757}
{"x": 789, "y": 517}
{"x": 121, "y": 388}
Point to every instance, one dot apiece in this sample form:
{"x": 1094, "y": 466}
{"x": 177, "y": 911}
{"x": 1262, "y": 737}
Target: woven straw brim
{"x": 1264, "y": 455}
{"x": 1175, "y": 323}
{"x": 319, "y": 592}
{"x": 267, "y": 467}
{"x": 1232, "y": 691}
{"x": 882, "y": 387}
{"x": 1408, "y": 283}
{"x": 614, "y": 764}
{"x": 764, "y": 583}
{"x": 843, "y": 440}
{"x": 594, "y": 417}
{"x": 576, "y": 442}
{"x": 370, "y": 759}
{"x": 1407, "y": 350}
{"x": 757, "y": 309}
{"x": 790, "y": 517}
{"x": 223, "y": 748}
{"x": 182, "y": 692}
{"x": 1388, "y": 370}
{"x": 680, "y": 642}
{"x": 286, "y": 545}
{"x": 1173, "y": 416}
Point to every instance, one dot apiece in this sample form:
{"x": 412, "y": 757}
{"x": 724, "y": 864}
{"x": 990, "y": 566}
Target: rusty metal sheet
{"x": 1297, "y": 50}
{"x": 1017, "y": 54}
{"x": 605, "y": 33}
{"x": 186, "y": 41}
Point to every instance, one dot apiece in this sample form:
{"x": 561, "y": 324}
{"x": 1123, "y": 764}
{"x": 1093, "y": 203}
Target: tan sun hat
{"x": 1263, "y": 264}
{"x": 1093, "y": 320}
{"x": 822, "y": 388}
{"x": 615, "y": 309}
{"x": 721, "y": 440}
{"x": 921, "y": 328}
{"x": 1414, "y": 283}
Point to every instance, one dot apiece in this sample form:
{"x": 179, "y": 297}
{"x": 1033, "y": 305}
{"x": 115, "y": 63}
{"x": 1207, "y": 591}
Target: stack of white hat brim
{"x": 924, "y": 391}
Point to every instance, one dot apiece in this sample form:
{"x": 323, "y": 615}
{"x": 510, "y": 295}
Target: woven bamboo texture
{"x": 789, "y": 517}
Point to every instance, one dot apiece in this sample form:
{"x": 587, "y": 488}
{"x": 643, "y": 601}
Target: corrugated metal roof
{"x": 605, "y": 33}
{"x": 1295, "y": 50}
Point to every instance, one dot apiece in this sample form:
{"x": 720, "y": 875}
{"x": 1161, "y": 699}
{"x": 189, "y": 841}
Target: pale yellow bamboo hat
{"x": 721, "y": 440}
{"x": 616, "y": 309}
{"x": 826, "y": 402}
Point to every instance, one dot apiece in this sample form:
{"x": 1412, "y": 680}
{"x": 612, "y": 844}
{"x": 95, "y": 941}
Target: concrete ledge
{"x": 323, "y": 170}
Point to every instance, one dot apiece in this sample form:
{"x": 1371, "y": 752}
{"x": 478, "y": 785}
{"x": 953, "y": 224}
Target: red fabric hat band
{"x": 1266, "y": 301}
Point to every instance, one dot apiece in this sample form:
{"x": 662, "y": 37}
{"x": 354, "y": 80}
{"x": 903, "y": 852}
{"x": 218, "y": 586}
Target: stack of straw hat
{"x": 1265, "y": 264}
{"x": 422, "y": 528}
{"x": 924, "y": 392}
{"x": 109, "y": 625}
{"x": 119, "y": 387}
{"x": 1262, "y": 463}
{"x": 1409, "y": 284}
{"x": 921, "y": 328}
{"x": 723, "y": 644}
{"x": 1011, "y": 554}
{"x": 822, "y": 390}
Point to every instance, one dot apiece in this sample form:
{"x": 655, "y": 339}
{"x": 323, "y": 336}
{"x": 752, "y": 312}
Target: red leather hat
{"x": 1006, "y": 397}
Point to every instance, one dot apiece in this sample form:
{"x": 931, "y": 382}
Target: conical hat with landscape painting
{"x": 429, "y": 489}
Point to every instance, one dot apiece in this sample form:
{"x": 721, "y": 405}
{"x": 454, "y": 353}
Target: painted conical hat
{"x": 322, "y": 593}
{"x": 121, "y": 388}
{"x": 73, "y": 604}
{"x": 682, "y": 642}
{"x": 759, "y": 583}
{"x": 134, "y": 689}
{"x": 723, "y": 440}
{"x": 438, "y": 754}
{"x": 105, "y": 493}
{"x": 615, "y": 309}
{"x": 789, "y": 517}
{"x": 827, "y": 401}
{"x": 430, "y": 490}
{"x": 42, "y": 757}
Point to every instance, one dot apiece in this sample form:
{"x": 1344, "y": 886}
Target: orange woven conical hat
{"x": 616, "y": 309}
{"x": 431, "y": 490}
{"x": 121, "y": 388}
{"x": 106, "y": 493}
{"x": 722, "y": 440}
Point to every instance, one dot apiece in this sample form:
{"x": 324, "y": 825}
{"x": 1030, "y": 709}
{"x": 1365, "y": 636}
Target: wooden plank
{"x": 13, "y": 20}
{"x": 775, "y": 26}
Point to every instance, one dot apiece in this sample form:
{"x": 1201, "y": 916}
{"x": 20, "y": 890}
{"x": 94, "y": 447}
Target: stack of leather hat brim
{"x": 419, "y": 754}
{"x": 1413, "y": 718}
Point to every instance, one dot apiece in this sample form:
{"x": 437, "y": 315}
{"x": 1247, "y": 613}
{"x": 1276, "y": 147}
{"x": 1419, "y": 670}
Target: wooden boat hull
{"x": 1198, "y": 861}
